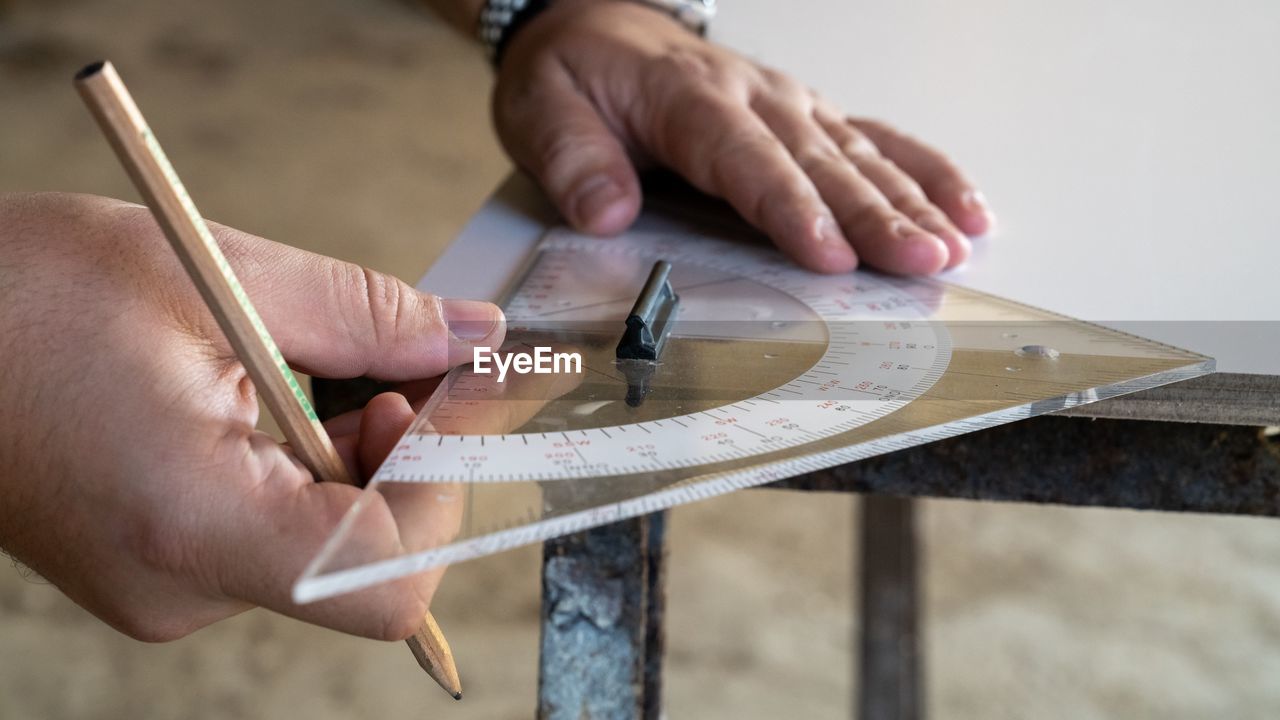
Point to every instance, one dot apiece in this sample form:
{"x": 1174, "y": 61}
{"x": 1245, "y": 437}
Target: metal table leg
{"x": 602, "y": 638}
{"x": 889, "y": 667}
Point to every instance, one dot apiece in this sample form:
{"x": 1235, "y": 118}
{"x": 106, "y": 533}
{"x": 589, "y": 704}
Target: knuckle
{"x": 869, "y": 218}
{"x": 557, "y": 156}
{"x": 570, "y": 155}
{"x": 893, "y": 181}
{"x": 686, "y": 75}
{"x": 922, "y": 212}
{"x": 738, "y": 157}
{"x": 879, "y": 128}
{"x": 783, "y": 202}
{"x": 736, "y": 146}
{"x": 815, "y": 101}
{"x": 709, "y": 103}
{"x": 816, "y": 154}
{"x": 858, "y": 146}
{"x": 758, "y": 209}
{"x": 694, "y": 66}
{"x": 907, "y": 194}
{"x": 700, "y": 103}
{"x": 916, "y": 206}
{"x": 775, "y": 77}
{"x": 686, "y": 125}
{"x": 556, "y": 149}
{"x": 786, "y": 88}
{"x": 431, "y": 309}
{"x": 383, "y": 303}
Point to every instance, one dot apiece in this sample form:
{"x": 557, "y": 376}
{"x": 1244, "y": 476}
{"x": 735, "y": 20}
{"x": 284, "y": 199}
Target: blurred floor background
{"x": 359, "y": 128}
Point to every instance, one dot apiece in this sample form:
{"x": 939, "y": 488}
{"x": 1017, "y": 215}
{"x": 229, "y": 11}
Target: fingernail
{"x": 471, "y": 321}
{"x": 825, "y": 230}
{"x": 594, "y": 196}
{"x": 924, "y": 252}
{"x": 906, "y": 231}
{"x": 975, "y": 201}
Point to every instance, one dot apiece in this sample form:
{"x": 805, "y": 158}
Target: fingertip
{"x": 387, "y": 407}
{"x": 833, "y": 260}
{"x": 974, "y": 216}
{"x": 472, "y": 320}
{"x": 957, "y": 243}
{"x": 386, "y": 417}
{"x": 976, "y": 224}
{"x": 614, "y": 219}
{"x": 959, "y": 249}
{"x": 920, "y": 253}
{"x": 471, "y": 324}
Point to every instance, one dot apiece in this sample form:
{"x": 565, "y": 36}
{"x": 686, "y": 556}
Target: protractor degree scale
{"x": 765, "y": 371}
{"x": 762, "y": 357}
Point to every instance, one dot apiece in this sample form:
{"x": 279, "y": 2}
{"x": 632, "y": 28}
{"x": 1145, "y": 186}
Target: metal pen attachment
{"x": 648, "y": 326}
{"x": 649, "y": 322}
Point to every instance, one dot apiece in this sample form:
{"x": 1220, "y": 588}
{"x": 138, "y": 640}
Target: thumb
{"x": 337, "y": 319}
{"x": 555, "y": 133}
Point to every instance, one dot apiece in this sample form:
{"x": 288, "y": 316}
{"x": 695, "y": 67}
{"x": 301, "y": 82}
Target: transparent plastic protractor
{"x": 865, "y": 366}
{"x": 763, "y": 357}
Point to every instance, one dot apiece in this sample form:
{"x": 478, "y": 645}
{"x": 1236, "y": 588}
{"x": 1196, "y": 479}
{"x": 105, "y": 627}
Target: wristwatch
{"x": 693, "y": 14}
{"x": 499, "y": 19}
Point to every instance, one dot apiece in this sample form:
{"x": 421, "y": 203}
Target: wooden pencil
{"x": 116, "y": 113}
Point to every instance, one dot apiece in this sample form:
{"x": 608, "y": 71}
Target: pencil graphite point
{"x": 431, "y": 650}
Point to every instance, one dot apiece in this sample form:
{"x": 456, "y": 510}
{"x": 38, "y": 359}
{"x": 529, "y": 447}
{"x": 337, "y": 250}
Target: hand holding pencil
{"x": 155, "y": 178}
{"x": 162, "y": 487}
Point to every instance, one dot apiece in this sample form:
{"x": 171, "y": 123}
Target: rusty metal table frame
{"x": 602, "y": 589}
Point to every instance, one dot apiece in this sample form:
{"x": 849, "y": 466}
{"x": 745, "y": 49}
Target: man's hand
{"x": 131, "y": 475}
{"x": 591, "y": 89}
